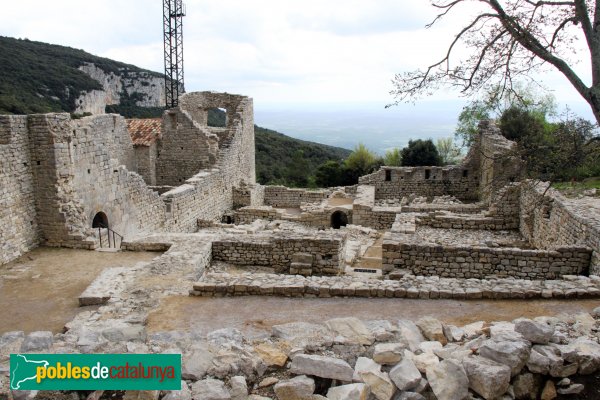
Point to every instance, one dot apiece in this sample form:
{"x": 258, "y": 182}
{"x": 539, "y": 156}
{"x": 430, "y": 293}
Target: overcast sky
{"x": 279, "y": 52}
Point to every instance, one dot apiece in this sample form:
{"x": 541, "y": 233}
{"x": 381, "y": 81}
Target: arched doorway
{"x": 100, "y": 220}
{"x": 339, "y": 219}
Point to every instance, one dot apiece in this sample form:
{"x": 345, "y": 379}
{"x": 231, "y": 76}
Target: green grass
{"x": 576, "y": 188}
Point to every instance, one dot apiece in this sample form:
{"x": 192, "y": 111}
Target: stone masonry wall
{"x": 365, "y": 213}
{"x": 283, "y": 197}
{"x": 19, "y": 230}
{"x": 403, "y": 252}
{"x": 278, "y": 252}
{"x": 145, "y": 158}
{"x": 548, "y": 220}
{"x": 103, "y": 164}
{"x": 209, "y": 193}
{"x": 397, "y": 182}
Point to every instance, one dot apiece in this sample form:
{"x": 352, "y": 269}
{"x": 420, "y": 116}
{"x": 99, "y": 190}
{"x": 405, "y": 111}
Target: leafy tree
{"x": 297, "y": 172}
{"x": 510, "y": 40}
{"x": 420, "y": 152}
{"x": 362, "y": 161}
{"x": 393, "y": 158}
{"x": 329, "y": 174}
{"x": 449, "y": 152}
{"x": 493, "y": 104}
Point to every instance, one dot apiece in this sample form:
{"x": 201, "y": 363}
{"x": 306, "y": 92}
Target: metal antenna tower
{"x": 173, "y": 13}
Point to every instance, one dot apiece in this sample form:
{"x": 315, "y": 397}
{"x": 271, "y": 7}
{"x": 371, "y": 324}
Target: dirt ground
{"x": 255, "y": 315}
{"x": 39, "y": 290}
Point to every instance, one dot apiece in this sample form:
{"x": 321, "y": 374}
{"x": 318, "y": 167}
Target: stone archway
{"x": 339, "y": 219}
{"x": 100, "y": 220}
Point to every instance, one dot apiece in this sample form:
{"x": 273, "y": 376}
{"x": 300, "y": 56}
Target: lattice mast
{"x": 173, "y": 13}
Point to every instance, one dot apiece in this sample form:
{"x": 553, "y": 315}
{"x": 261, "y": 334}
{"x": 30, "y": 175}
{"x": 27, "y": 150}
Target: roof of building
{"x": 144, "y": 132}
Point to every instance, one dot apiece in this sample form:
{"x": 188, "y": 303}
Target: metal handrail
{"x": 100, "y": 227}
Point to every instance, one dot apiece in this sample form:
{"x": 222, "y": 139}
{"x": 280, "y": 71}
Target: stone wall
{"x": 283, "y": 197}
{"x": 19, "y": 230}
{"x": 548, "y": 219}
{"x": 460, "y": 181}
{"x": 404, "y": 251}
{"x": 147, "y": 87}
{"x": 208, "y": 193}
{"x": 500, "y": 162}
{"x": 278, "y": 252}
{"x": 145, "y": 158}
{"x": 365, "y": 213}
{"x": 248, "y": 196}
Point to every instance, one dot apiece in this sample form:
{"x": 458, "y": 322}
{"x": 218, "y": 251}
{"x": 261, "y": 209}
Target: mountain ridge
{"x": 39, "y": 77}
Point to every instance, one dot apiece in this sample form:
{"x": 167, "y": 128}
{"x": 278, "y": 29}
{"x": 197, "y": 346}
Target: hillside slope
{"x": 38, "y": 77}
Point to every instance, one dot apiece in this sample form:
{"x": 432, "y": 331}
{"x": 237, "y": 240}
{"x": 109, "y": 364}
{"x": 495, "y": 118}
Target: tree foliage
{"x": 420, "y": 152}
{"x": 492, "y": 104}
{"x": 449, "y": 152}
{"x": 393, "y": 158}
{"x": 509, "y": 40}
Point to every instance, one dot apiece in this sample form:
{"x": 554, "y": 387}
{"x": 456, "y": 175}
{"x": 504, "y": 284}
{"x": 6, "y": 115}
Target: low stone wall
{"x": 397, "y": 182}
{"x": 248, "y": 195}
{"x": 475, "y": 221}
{"x": 548, "y": 219}
{"x": 278, "y": 252}
{"x": 408, "y": 252}
{"x": 283, "y": 197}
{"x": 365, "y": 213}
{"x": 410, "y": 287}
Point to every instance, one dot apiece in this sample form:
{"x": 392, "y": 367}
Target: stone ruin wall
{"x": 278, "y": 252}
{"x": 548, "y": 220}
{"x": 208, "y": 194}
{"x": 57, "y": 173}
{"x": 283, "y": 197}
{"x": 19, "y": 229}
{"x": 482, "y": 262}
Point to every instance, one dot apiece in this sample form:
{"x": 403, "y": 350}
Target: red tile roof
{"x": 144, "y": 132}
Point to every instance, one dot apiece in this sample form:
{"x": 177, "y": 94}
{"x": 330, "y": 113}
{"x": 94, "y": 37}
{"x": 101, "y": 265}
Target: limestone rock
{"x": 409, "y": 396}
{"x": 596, "y": 313}
{"x": 453, "y": 333}
{"x": 301, "y": 334}
{"x": 473, "y": 330}
{"x": 271, "y": 355}
{"x": 268, "y": 381}
{"x": 382, "y": 330}
{"x": 533, "y": 331}
{"x": 239, "y": 388}
{"x": 486, "y": 377}
{"x": 225, "y": 336}
{"x": 424, "y": 360}
{"x": 184, "y": 394}
{"x": 405, "y": 375}
{"x": 355, "y": 391}
{"x": 587, "y": 355}
{"x": 513, "y": 353}
{"x": 210, "y": 389}
{"x": 324, "y": 367}
{"x": 37, "y": 341}
{"x": 549, "y": 391}
{"x": 379, "y": 383}
{"x": 575, "y": 388}
{"x": 364, "y": 364}
{"x": 141, "y": 395}
{"x": 298, "y": 388}
{"x": 388, "y": 353}
{"x": 353, "y": 329}
{"x": 432, "y": 329}
{"x": 196, "y": 363}
{"x": 448, "y": 380}
{"x": 526, "y": 386}
{"x": 410, "y": 334}
{"x": 430, "y": 347}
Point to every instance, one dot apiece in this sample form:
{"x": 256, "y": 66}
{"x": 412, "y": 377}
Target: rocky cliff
{"x": 146, "y": 89}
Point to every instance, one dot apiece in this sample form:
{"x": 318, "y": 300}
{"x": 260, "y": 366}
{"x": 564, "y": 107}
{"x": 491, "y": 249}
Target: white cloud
{"x": 275, "y": 51}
